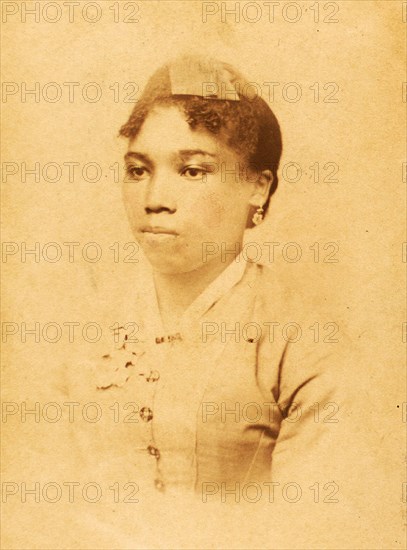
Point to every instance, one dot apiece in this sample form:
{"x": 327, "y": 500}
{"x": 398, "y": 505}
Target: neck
{"x": 176, "y": 292}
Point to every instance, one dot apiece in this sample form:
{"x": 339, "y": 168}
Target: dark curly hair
{"x": 248, "y": 126}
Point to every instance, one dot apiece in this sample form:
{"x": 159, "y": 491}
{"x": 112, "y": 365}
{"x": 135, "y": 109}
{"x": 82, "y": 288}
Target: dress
{"x": 240, "y": 393}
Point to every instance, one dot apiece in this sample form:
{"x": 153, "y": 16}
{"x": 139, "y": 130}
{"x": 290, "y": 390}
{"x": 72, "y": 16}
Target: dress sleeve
{"x": 315, "y": 406}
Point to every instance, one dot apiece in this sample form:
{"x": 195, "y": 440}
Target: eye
{"x": 136, "y": 172}
{"x": 194, "y": 172}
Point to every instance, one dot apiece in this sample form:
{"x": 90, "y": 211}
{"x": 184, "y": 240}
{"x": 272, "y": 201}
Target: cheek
{"x": 221, "y": 211}
{"x": 213, "y": 206}
{"x": 132, "y": 202}
{"x": 213, "y": 211}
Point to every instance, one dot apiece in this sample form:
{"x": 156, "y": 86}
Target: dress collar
{"x": 228, "y": 278}
{"x": 218, "y": 288}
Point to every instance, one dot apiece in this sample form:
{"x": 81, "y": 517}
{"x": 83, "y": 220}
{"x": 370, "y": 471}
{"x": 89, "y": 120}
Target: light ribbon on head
{"x": 204, "y": 79}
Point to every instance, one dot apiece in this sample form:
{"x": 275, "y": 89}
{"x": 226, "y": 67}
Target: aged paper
{"x": 144, "y": 336}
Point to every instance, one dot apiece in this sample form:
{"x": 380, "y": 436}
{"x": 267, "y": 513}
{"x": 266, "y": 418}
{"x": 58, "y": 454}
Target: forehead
{"x": 165, "y": 131}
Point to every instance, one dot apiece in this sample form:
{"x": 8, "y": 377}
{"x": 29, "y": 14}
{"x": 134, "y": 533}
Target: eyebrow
{"x": 184, "y": 153}
{"x": 194, "y": 152}
{"x": 139, "y": 156}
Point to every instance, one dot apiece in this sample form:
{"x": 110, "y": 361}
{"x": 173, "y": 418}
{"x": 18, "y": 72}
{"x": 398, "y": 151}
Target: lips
{"x": 158, "y": 230}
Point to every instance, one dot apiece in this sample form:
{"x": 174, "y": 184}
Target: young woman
{"x": 214, "y": 394}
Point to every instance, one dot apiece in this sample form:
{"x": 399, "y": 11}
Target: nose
{"x": 160, "y": 194}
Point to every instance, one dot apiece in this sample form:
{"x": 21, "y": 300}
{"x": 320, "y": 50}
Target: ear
{"x": 261, "y": 188}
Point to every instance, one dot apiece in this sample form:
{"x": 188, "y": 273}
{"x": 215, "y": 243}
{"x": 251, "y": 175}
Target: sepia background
{"x": 339, "y": 93}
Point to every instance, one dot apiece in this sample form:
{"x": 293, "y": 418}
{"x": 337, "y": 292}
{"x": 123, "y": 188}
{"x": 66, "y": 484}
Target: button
{"x": 169, "y": 338}
{"x": 146, "y": 414}
{"x": 153, "y": 376}
{"x": 153, "y": 451}
{"x": 159, "y": 485}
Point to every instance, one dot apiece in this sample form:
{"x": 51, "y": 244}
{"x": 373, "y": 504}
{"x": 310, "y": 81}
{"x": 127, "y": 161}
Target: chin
{"x": 173, "y": 265}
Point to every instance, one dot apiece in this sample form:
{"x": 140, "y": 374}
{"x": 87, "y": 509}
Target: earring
{"x": 258, "y": 216}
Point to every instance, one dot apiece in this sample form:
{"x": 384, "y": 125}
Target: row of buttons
{"x": 158, "y": 483}
{"x": 146, "y": 414}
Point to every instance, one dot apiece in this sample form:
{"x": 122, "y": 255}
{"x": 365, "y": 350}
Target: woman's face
{"x": 183, "y": 196}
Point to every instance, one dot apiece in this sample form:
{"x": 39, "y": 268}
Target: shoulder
{"x": 305, "y": 333}
{"x": 276, "y": 294}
